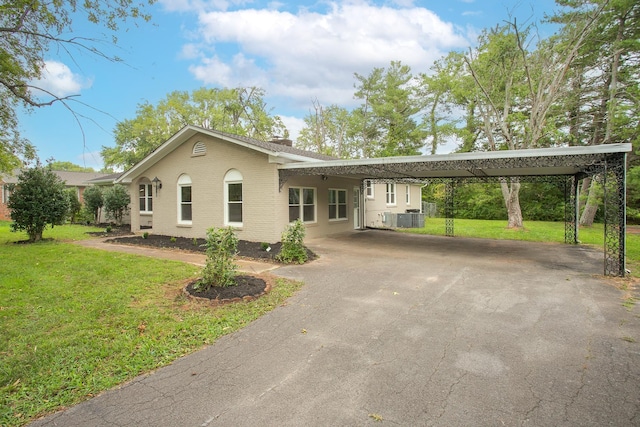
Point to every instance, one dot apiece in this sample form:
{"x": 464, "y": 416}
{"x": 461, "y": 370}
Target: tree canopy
{"x": 32, "y": 29}
{"x": 241, "y": 111}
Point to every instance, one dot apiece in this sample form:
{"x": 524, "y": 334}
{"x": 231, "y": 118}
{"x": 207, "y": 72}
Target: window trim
{"x": 184, "y": 181}
{"x": 391, "y": 195}
{"x": 369, "y": 185}
{"x": 302, "y": 205}
{"x": 233, "y": 176}
{"x": 337, "y": 204}
{"x": 147, "y": 197}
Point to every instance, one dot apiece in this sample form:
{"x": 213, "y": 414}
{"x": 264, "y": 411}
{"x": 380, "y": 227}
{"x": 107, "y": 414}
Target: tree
{"x": 93, "y": 201}
{"x": 38, "y": 200}
{"x": 69, "y": 167}
{"x": 116, "y": 202}
{"x": 241, "y": 111}
{"x": 74, "y": 204}
{"x": 387, "y": 116}
{"x": 29, "y": 31}
{"x": 329, "y": 130}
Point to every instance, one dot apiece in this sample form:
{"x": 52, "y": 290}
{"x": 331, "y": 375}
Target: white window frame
{"x": 233, "y": 177}
{"x": 391, "y": 194}
{"x": 148, "y": 196}
{"x": 337, "y": 204}
{"x": 184, "y": 181}
{"x": 301, "y": 205}
{"x": 369, "y": 189}
{"x": 407, "y": 197}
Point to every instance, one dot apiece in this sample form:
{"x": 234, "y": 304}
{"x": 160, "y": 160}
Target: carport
{"x": 563, "y": 166}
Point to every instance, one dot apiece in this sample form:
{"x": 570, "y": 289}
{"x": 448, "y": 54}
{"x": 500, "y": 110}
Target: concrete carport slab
{"x": 398, "y": 329}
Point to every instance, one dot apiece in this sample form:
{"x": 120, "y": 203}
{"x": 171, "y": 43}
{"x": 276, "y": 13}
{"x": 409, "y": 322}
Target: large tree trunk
{"x": 589, "y": 213}
{"x": 511, "y": 194}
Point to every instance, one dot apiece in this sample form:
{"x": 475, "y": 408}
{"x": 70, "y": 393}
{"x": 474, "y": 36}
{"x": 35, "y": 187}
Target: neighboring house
{"x": 76, "y": 180}
{"x": 202, "y": 178}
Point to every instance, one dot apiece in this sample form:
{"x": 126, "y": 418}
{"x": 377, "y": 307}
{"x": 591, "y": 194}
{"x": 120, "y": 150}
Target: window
{"x": 302, "y": 204}
{"x": 391, "y": 193}
{"x": 185, "y": 207}
{"x": 145, "y": 197}
{"x": 369, "y": 189}
{"x": 5, "y": 194}
{"x": 233, "y": 198}
{"x": 407, "y": 197}
{"x": 337, "y": 204}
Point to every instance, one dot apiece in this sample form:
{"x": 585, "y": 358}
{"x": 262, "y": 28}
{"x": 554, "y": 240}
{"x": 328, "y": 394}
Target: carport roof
{"x": 530, "y": 162}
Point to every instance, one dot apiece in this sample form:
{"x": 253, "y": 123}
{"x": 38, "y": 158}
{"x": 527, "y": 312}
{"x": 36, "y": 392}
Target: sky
{"x": 296, "y": 51}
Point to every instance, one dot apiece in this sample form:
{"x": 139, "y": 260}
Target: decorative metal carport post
{"x": 614, "y": 183}
{"x": 571, "y": 200}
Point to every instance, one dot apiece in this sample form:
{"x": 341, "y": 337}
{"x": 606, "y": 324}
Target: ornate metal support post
{"x": 614, "y": 214}
{"x": 448, "y": 207}
{"x": 571, "y": 210}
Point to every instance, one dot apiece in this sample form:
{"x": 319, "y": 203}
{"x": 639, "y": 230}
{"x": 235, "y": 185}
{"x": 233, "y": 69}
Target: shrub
{"x": 293, "y": 250}
{"x": 116, "y": 202}
{"x": 38, "y": 200}
{"x": 220, "y": 269}
{"x": 74, "y": 204}
{"x": 173, "y": 239}
{"x": 265, "y": 246}
{"x": 108, "y": 229}
{"x": 145, "y": 235}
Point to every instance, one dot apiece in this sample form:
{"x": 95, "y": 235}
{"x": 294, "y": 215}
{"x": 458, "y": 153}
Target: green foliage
{"x": 145, "y": 235}
{"x": 633, "y": 195}
{"x": 116, "y": 202}
{"x": 220, "y": 268}
{"x": 241, "y": 111}
{"x": 293, "y": 249}
{"x": 74, "y": 204}
{"x": 264, "y": 246}
{"x": 32, "y": 32}
{"x": 173, "y": 239}
{"x": 69, "y": 166}
{"x": 38, "y": 200}
{"x": 93, "y": 202}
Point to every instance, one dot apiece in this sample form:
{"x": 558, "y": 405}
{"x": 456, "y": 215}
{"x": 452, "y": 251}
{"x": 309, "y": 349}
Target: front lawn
{"x": 77, "y": 321}
{"x": 534, "y": 231}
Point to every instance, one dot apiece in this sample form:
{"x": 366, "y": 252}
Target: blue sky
{"x": 296, "y": 51}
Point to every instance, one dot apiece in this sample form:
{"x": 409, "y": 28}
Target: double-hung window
{"x": 391, "y": 193}
{"x": 233, "y": 198}
{"x": 407, "y": 197}
{"x": 185, "y": 206}
{"x": 146, "y": 198}
{"x": 302, "y": 204}
{"x": 337, "y": 204}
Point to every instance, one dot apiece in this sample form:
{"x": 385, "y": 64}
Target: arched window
{"x": 185, "y": 207}
{"x": 233, "y": 198}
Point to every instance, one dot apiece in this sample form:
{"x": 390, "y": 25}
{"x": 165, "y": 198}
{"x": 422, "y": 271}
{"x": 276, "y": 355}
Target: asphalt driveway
{"x": 406, "y": 330}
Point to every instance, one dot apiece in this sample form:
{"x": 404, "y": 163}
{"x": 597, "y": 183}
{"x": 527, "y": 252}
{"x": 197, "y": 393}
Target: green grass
{"x": 77, "y": 321}
{"x": 534, "y": 231}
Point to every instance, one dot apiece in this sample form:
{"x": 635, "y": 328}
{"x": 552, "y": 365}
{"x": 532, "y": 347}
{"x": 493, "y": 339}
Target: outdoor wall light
{"x": 158, "y": 184}
{"x": 325, "y": 177}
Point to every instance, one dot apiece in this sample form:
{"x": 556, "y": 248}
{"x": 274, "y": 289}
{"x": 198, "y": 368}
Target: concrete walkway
{"x": 405, "y": 330}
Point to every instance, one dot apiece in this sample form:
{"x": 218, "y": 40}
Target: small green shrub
{"x": 173, "y": 239}
{"x": 108, "y": 229}
{"x": 195, "y": 242}
{"x": 220, "y": 269}
{"x": 265, "y": 246}
{"x": 293, "y": 250}
{"x": 145, "y": 235}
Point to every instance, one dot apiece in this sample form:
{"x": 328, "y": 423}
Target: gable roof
{"x": 283, "y": 153}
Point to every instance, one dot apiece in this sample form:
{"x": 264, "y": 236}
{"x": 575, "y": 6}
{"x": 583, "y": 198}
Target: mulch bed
{"x": 246, "y": 289}
{"x": 246, "y": 249}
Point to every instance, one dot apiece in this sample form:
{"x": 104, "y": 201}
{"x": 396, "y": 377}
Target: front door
{"x": 356, "y": 208}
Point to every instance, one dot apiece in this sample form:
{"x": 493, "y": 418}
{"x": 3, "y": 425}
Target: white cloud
{"x": 90, "y": 160}
{"x": 306, "y": 55}
{"x": 294, "y": 126}
{"x": 57, "y": 79}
